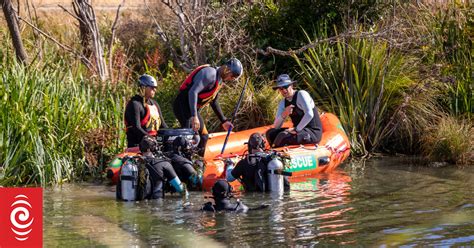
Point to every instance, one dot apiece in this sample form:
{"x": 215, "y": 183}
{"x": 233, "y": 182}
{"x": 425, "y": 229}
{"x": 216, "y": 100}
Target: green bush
{"x": 362, "y": 83}
{"x": 282, "y": 24}
{"x": 45, "y": 118}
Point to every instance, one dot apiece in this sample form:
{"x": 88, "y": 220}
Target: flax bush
{"x": 362, "y": 83}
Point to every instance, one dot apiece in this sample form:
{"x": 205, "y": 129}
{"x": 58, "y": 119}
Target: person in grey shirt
{"x": 200, "y": 88}
{"x": 299, "y": 106}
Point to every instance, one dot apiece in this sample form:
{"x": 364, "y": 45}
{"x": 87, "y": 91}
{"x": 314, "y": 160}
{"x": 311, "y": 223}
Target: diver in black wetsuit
{"x": 222, "y": 194}
{"x": 252, "y": 169}
{"x": 184, "y": 167}
{"x": 160, "y": 170}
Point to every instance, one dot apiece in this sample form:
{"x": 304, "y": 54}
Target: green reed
{"x": 453, "y": 35}
{"x": 46, "y": 112}
{"x": 361, "y": 81}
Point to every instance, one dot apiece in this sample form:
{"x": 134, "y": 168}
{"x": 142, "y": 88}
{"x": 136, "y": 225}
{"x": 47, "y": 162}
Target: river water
{"x": 382, "y": 202}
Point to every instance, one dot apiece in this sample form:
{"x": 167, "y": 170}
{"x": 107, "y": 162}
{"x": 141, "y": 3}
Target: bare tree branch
{"x": 12, "y": 21}
{"x": 166, "y": 40}
{"x": 70, "y": 13}
{"x": 90, "y": 32}
{"x": 112, "y": 39}
{"x": 351, "y": 34}
{"x": 64, "y": 47}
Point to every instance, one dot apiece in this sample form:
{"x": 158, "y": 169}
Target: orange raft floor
{"x": 306, "y": 160}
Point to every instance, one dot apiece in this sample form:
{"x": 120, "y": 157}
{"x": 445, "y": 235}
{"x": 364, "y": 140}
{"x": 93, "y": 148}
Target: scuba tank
{"x": 275, "y": 175}
{"x": 129, "y": 180}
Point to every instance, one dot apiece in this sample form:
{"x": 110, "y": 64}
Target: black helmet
{"x": 221, "y": 189}
{"x": 235, "y": 67}
{"x": 256, "y": 141}
{"x": 147, "y": 80}
{"x": 180, "y": 144}
{"x": 148, "y": 143}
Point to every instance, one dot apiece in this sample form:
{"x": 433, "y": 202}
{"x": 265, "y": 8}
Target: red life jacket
{"x": 204, "y": 97}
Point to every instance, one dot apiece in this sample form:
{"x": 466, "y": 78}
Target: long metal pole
{"x": 234, "y": 114}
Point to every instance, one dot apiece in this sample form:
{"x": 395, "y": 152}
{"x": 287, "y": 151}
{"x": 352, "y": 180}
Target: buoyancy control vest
{"x": 206, "y": 96}
{"x": 297, "y": 114}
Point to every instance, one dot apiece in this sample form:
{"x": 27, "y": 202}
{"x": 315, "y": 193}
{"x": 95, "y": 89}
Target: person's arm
{"x": 234, "y": 173}
{"x": 202, "y": 80}
{"x": 305, "y": 103}
{"x": 163, "y": 123}
{"x": 279, "y": 119}
{"x": 217, "y": 109}
{"x": 132, "y": 113}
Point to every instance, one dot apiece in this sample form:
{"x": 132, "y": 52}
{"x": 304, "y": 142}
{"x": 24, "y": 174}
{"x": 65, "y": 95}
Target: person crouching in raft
{"x": 299, "y": 106}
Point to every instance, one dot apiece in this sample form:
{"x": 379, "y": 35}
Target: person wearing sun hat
{"x": 300, "y": 107}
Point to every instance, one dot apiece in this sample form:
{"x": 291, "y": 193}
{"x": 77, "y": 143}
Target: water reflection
{"x": 383, "y": 203}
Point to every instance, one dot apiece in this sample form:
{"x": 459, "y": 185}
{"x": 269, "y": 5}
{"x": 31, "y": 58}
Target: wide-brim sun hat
{"x": 282, "y": 81}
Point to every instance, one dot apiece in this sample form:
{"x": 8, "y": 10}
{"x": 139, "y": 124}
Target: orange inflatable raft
{"x": 305, "y": 160}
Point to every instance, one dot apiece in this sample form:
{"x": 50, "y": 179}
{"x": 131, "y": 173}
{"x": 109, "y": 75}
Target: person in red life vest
{"x": 142, "y": 113}
{"x": 299, "y": 106}
{"x": 200, "y": 88}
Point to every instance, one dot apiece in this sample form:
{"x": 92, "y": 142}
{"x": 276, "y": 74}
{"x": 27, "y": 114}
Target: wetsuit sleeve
{"x": 305, "y": 103}
{"x": 205, "y": 78}
{"x": 278, "y": 119}
{"x": 132, "y": 113}
{"x": 237, "y": 172}
{"x": 163, "y": 123}
{"x": 217, "y": 109}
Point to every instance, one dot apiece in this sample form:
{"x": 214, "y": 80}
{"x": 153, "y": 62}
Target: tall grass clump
{"x": 451, "y": 140}
{"x": 441, "y": 36}
{"x": 47, "y": 112}
{"x": 362, "y": 83}
{"x": 453, "y": 36}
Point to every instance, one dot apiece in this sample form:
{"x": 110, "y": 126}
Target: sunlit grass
{"x": 452, "y": 140}
{"x": 46, "y": 112}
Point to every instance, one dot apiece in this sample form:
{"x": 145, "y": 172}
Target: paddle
{"x": 234, "y": 114}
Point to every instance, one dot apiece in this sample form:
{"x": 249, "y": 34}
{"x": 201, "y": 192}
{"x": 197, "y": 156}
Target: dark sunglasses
{"x": 284, "y": 87}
